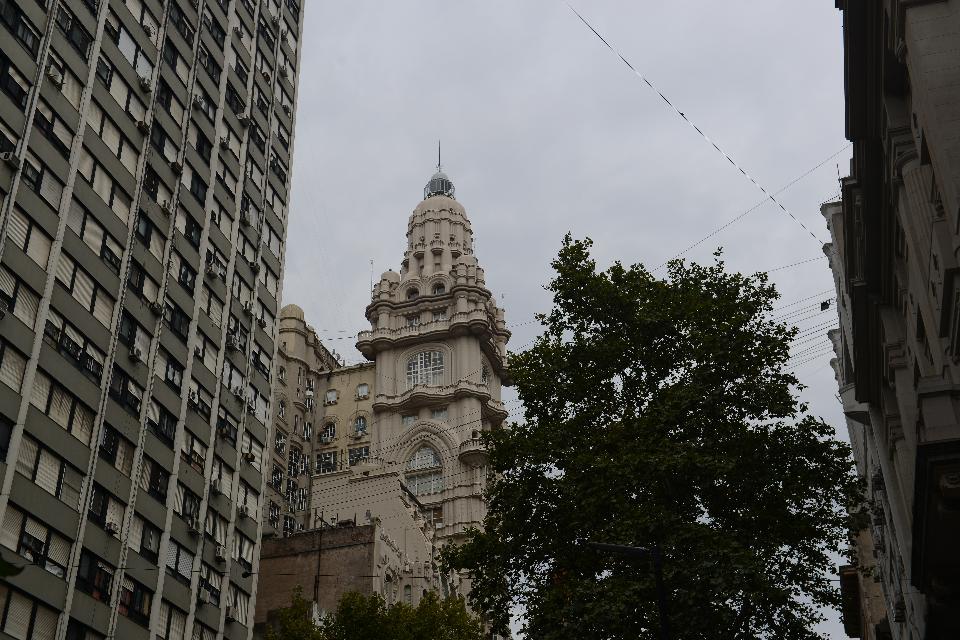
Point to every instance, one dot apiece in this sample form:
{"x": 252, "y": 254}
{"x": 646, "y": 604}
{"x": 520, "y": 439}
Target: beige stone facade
{"x": 895, "y": 254}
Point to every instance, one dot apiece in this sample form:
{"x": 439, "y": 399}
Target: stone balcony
{"x": 477, "y": 321}
{"x": 473, "y": 452}
{"x": 424, "y": 395}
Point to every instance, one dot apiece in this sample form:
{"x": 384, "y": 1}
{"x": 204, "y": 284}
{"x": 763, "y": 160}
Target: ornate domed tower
{"x": 439, "y": 341}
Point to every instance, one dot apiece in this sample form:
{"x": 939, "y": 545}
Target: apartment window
{"x": 126, "y": 391}
{"x": 173, "y": 622}
{"x": 201, "y": 143}
{"x": 279, "y": 169}
{"x": 103, "y": 184}
{"x": 277, "y": 477}
{"x": 95, "y": 235}
{"x": 253, "y": 449}
{"x": 213, "y": 28}
{"x": 13, "y": 83}
{"x": 215, "y": 527}
{"x": 206, "y": 61}
{"x": 20, "y": 27}
{"x": 234, "y": 101}
{"x": 200, "y": 400}
{"x": 243, "y": 551}
{"x": 116, "y": 450}
{"x": 164, "y": 144}
{"x": 162, "y": 422}
{"x": 49, "y": 472}
{"x": 135, "y": 600}
{"x": 172, "y": 371}
{"x": 20, "y": 299}
{"x": 62, "y": 407}
{"x": 194, "y": 452}
{"x": 329, "y": 433}
{"x": 116, "y": 142}
{"x": 331, "y": 396}
{"x": 146, "y": 19}
{"x": 154, "y": 479}
{"x": 105, "y": 510}
{"x": 12, "y": 365}
{"x": 207, "y": 105}
{"x": 133, "y": 335}
{"x": 257, "y": 138}
{"x": 29, "y": 237}
{"x": 185, "y": 274}
{"x": 438, "y": 413}
{"x": 38, "y": 177}
{"x": 121, "y": 91}
{"x": 176, "y": 319}
{"x": 174, "y": 60}
{"x": 77, "y": 631}
{"x": 141, "y": 284}
{"x": 149, "y": 236}
{"x": 95, "y": 577}
{"x": 23, "y": 617}
{"x": 239, "y": 67}
{"x": 363, "y": 390}
{"x": 53, "y": 128}
{"x": 144, "y": 538}
{"x": 73, "y": 31}
{"x": 202, "y": 631}
{"x": 358, "y": 455}
{"x": 198, "y": 188}
{"x": 74, "y": 346}
{"x": 127, "y": 44}
{"x": 179, "y": 562}
{"x": 35, "y": 541}
{"x": 360, "y": 426}
{"x": 424, "y": 475}
{"x": 280, "y": 442}
{"x": 425, "y": 368}
{"x": 211, "y": 305}
{"x": 327, "y": 462}
{"x": 273, "y": 517}
{"x": 6, "y": 431}
{"x": 66, "y": 81}
{"x": 169, "y": 102}
{"x": 182, "y": 24}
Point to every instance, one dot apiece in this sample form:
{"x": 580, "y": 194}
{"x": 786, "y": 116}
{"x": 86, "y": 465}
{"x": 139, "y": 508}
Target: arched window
{"x": 424, "y": 475}
{"x": 360, "y": 426}
{"x": 439, "y": 289}
{"x": 282, "y": 409}
{"x": 425, "y": 368}
{"x": 412, "y": 293}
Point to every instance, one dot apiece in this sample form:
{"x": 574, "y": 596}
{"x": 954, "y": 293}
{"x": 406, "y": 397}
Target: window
{"x": 73, "y": 31}
{"x": 95, "y": 235}
{"x": 120, "y": 90}
{"x": 53, "y": 128}
{"x": 144, "y": 538}
{"x": 126, "y": 391}
{"x": 40, "y": 179}
{"x": 207, "y": 61}
{"x": 194, "y": 452}
{"x": 170, "y": 103}
{"x": 19, "y": 25}
{"x": 172, "y": 371}
{"x": 35, "y": 541}
{"x": 103, "y": 184}
{"x": 280, "y": 443}
{"x": 179, "y": 562}
{"x": 141, "y": 284}
{"x": 408, "y": 420}
{"x": 21, "y": 300}
{"x": 133, "y": 335}
{"x": 176, "y": 319}
{"x": 412, "y": 293}
{"x": 154, "y": 479}
{"x": 69, "y": 84}
{"x": 358, "y": 455}
{"x": 363, "y": 390}
{"x": 77, "y": 631}
{"x": 413, "y": 321}
{"x": 127, "y": 44}
{"x": 253, "y": 448}
{"x": 85, "y": 289}
{"x": 243, "y": 550}
{"x": 12, "y": 366}
{"x": 162, "y": 422}
{"x": 329, "y": 433}
{"x": 116, "y": 142}
{"x": 234, "y": 101}
{"x": 195, "y": 184}
{"x": 173, "y": 622}
{"x": 203, "y": 632}
{"x": 214, "y": 28}
{"x": 226, "y": 426}
{"x": 425, "y": 368}
{"x": 116, "y": 449}
{"x": 105, "y": 510}
{"x": 13, "y": 83}
{"x": 273, "y": 517}
{"x": 331, "y": 396}
{"x": 23, "y": 617}
{"x": 215, "y": 527}
{"x": 239, "y": 600}
{"x": 424, "y": 476}
{"x": 439, "y": 289}
{"x": 182, "y": 24}
{"x": 327, "y": 462}
{"x": 360, "y": 426}
{"x": 174, "y": 60}
{"x": 62, "y": 407}
{"x": 49, "y": 472}
{"x": 439, "y": 314}
{"x": 438, "y": 413}
{"x": 135, "y": 600}
{"x": 94, "y": 577}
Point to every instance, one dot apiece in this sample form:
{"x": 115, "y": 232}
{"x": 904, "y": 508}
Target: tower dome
{"x": 439, "y": 185}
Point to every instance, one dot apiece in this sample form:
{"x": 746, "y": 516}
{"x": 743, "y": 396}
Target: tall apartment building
{"x": 397, "y": 438}
{"x": 895, "y": 254}
{"x": 145, "y": 148}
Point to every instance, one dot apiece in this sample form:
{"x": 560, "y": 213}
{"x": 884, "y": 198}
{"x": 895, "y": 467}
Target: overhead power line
{"x": 769, "y": 196}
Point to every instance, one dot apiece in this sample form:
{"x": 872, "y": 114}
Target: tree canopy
{"x": 660, "y": 412}
{"x": 360, "y": 617}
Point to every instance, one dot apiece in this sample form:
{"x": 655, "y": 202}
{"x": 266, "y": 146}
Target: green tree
{"x": 660, "y": 412}
{"x": 360, "y": 617}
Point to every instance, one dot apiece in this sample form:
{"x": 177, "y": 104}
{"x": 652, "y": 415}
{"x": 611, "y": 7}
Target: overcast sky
{"x": 544, "y": 130}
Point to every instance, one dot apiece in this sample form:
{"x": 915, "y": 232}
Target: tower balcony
{"x": 473, "y": 452}
{"x": 476, "y": 322}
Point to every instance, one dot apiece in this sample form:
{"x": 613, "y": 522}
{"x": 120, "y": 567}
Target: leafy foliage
{"x": 360, "y": 617}
{"x": 660, "y": 412}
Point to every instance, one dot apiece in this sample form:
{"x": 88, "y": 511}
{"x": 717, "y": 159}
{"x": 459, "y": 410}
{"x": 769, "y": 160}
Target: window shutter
{"x": 70, "y": 487}
{"x": 10, "y": 533}
{"x": 45, "y": 624}
{"x": 103, "y": 308}
{"x": 65, "y": 268}
{"x": 27, "y": 458}
{"x": 41, "y": 391}
{"x": 51, "y": 189}
{"x": 11, "y": 368}
{"x": 18, "y": 228}
{"x": 172, "y": 556}
{"x": 136, "y": 533}
{"x": 39, "y": 249}
{"x": 19, "y": 613}
{"x": 115, "y": 511}
{"x": 48, "y": 472}
{"x": 59, "y": 550}
{"x": 185, "y": 564}
{"x": 35, "y": 529}
{"x": 83, "y": 289}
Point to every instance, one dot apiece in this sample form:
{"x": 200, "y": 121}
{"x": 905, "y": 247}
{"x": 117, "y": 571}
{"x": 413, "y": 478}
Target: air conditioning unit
{"x": 166, "y": 208}
{"x": 283, "y": 72}
{"x": 220, "y": 552}
{"x": 135, "y": 354}
{"x": 145, "y": 84}
{"x": 176, "y": 167}
{"x": 112, "y": 528}
{"x": 286, "y": 109}
{"x": 193, "y": 526}
{"x": 147, "y": 29}
{"x": 275, "y": 21}
{"x": 203, "y": 598}
{"x": 193, "y": 399}
{"x": 238, "y": 392}
{"x": 211, "y": 269}
{"x": 156, "y": 307}
{"x": 251, "y": 408}
{"x": 55, "y": 77}
{"x": 244, "y": 120}
{"x": 265, "y": 75}
{"x": 238, "y": 31}
{"x": 248, "y": 308}
{"x": 11, "y": 159}
{"x": 233, "y": 343}
{"x": 254, "y": 265}
{"x": 143, "y": 126}
{"x": 215, "y": 487}
{"x": 229, "y": 614}
{"x": 224, "y": 142}
{"x": 198, "y": 101}
{"x": 243, "y": 511}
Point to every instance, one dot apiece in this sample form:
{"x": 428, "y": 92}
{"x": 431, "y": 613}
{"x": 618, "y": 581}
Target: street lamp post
{"x": 656, "y": 556}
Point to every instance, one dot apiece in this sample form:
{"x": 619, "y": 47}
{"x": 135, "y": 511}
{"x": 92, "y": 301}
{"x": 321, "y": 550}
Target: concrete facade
{"x": 145, "y": 152}
{"x": 895, "y": 254}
